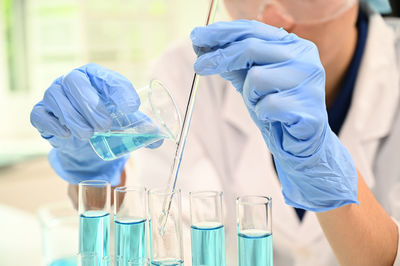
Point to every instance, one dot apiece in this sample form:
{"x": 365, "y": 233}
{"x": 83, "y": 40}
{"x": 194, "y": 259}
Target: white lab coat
{"x": 225, "y": 150}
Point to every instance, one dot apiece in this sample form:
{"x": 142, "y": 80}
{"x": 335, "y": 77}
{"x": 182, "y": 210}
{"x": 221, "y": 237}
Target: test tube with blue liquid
{"x": 207, "y": 228}
{"x": 166, "y": 245}
{"x": 139, "y": 262}
{"x": 254, "y": 220}
{"x": 88, "y": 258}
{"x": 94, "y": 221}
{"x": 156, "y": 119}
{"x": 130, "y": 239}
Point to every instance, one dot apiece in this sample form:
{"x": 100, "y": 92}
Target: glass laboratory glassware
{"x": 108, "y": 261}
{"x": 94, "y": 221}
{"x": 139, "y": 262}
{"x": 129, "y": 224}
{"x": 207, "y": 228}
{"x": 59, "y": 230}
{"x": 157, "y": 119}
{"x": 87, "y": 259}
{"x": 254, "y": 220}
{"x": 166, "y": 246}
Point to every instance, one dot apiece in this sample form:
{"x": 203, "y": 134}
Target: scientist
{"x": 338, "y": 76}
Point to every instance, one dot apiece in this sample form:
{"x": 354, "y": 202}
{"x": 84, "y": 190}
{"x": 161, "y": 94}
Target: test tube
{"x": 166, "y": 246}
{"x": 129, "y": 224}
{"x": 94, "y": 223}
{"x": 254, "y": 231}
{"x": 207, "y": 228}
{"x": 139, "y": 262}
{"x": 84, "y": 260}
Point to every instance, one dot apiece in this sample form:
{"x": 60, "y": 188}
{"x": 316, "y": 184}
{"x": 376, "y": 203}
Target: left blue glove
{"x": 73, "y": 108}
{"x": 282, "y": 82}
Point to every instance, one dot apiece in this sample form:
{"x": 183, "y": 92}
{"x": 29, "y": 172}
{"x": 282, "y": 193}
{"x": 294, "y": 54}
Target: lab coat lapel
{"x": 375, "y": 98}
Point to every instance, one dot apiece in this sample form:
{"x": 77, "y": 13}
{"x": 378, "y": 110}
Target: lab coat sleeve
{"x": 397, "y": 260}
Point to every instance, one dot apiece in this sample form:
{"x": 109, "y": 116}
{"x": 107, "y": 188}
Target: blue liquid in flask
{"x": 64, "y": 262}
{"x": 255, "y": 248}
{"x": 130, "y": 240}
{"x": 94, "y": 234}
{"x": 111, "y": 145}
{"x": 208, "y": 244}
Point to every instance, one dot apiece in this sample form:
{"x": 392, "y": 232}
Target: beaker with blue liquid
{"x": 60, "y": 229}
{"x": 156, "y": 119}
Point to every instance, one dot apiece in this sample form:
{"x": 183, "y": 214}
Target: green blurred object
{"x": 15, "y": 38}
{"x": 157, "y": 7}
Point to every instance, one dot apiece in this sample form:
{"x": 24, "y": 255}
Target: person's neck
{"x": 337, "y": 66}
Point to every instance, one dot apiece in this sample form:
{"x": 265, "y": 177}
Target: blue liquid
{"x": 168, "y": 262}
{"x": 255, "y": 248}
{"x": 94, "y": 234}
{"x": 64, "y": 262}
{"x": 208, "y": 244}
{"x": 110, "y": 146}
{"x": 130, "y": 240}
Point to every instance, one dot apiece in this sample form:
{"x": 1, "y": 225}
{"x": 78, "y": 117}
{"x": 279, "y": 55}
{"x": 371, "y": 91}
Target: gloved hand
{"x": 73, "y": 108}
{"x": 282, "y": 82}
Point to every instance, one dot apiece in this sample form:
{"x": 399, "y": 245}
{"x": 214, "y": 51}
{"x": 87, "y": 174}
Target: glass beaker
{"x": 157, "y": 119}
{"x": 129, "y": 224}
{"x": 94, "y": 221}
{"x": 254, "y": 220}
{"x": 207, "y": 228}
{"x": 166, "y": 246}
{"x": 59, "y": 229}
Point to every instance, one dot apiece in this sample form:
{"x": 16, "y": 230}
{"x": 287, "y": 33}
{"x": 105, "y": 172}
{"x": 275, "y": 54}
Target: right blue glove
{"x": 282, "y": 82}
{"x": 73, "y": 108}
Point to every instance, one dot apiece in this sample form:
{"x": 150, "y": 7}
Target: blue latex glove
{"x": 73, "y": 108}
{"x": 282, "y": 82}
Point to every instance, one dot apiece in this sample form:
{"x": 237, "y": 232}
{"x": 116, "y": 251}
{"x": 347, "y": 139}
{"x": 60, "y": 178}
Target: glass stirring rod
{"x": 183, "y": 135}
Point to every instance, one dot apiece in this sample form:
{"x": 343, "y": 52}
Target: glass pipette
{"x": 183, "y": 135}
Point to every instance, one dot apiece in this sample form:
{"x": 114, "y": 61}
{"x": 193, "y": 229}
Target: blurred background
{"x": 41, "y": 40}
